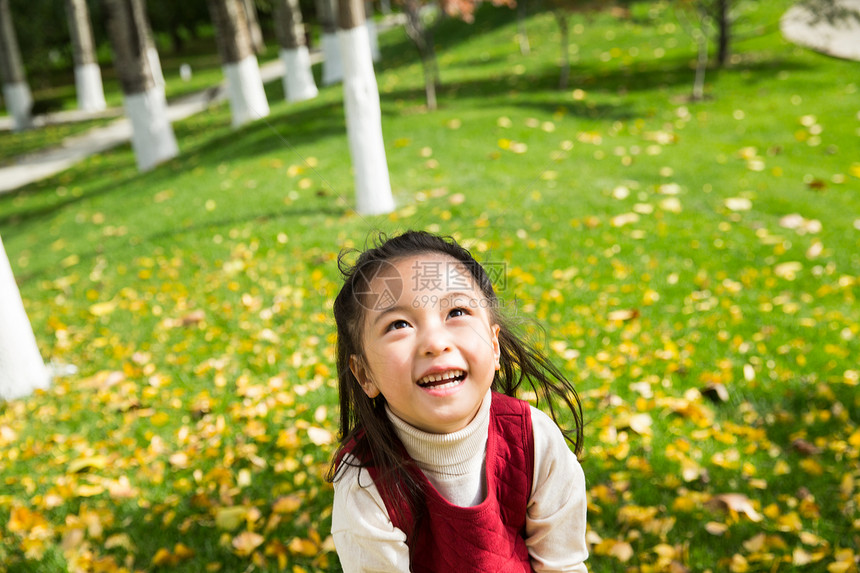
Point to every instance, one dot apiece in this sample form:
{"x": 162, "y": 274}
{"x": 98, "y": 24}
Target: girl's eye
{"x": 397, "y": 325}
{"x": 455, "y": 312}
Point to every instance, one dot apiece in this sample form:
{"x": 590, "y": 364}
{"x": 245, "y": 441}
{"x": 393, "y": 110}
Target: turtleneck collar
{"x": 451, "y": 454}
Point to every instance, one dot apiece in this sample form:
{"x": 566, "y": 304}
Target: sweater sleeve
{"x": 365, "y": 539}
{"x": 555, "y": 519}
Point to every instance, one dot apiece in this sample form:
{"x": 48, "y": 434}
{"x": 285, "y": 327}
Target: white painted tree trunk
{"x": 332, "y": 71}
{"x": 152, "y": 135}
{"x": 245, "y": 91}
{"x": 88, "y": 83}
{"x": 298, "y": 79}
{"x": 88, "y": 76}
{"x": 19, "y": 104}
{"x": 21, "y": 367}
{"x": 364, "y": 124}
{"x": 16, "y": 91}
{"x": 155, "y": 65}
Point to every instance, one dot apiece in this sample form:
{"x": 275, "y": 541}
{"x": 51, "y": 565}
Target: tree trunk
{"x": 724, "y": 27}
{"x": 145, "y": 105}
{"x": 564, "y": 29}
{"x": 149, "y": 38}
{"x": 244, "y": 83}
{"x": 298, "y": 79}
{"x": 363, "y": 112}
{"x": 21, "y": 367}
{"x": 422, "y": 36}
{"x": 332, "y": 68}
{"x": 16, "y": 91}
{"x": 701, "y": 66}
{"x": 254, "y": 26}
{"x": 522, "y": 33}
{"x": 88, "y": 76}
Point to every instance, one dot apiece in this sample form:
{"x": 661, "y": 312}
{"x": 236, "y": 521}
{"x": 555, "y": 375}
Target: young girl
{"x": 440, "y": 468}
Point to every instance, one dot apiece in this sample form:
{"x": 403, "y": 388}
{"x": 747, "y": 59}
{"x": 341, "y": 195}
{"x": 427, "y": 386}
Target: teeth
{"x": 450, "y": 384}
{"x": 452, "y": 375}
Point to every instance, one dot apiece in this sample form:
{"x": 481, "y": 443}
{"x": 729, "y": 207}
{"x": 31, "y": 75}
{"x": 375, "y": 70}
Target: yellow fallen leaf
{"x": 121, "y": 488}
{"x": 88, "y": 490}
{"x": 86, "y": 464}
{"x": 287, "y": 504}
{"x": 246, "y": 542}
{"x": 800, "y": 557}
{"x": 103, "y": 308}
{"x": 183, "y": 552}
{"x": 671, "y": 204}
{"x": 736, "y": 503}
{"x": 641, "y": 424}
{"x": 841, "y": 567}
{"x": 121, "y": 540}
{"x": 179, "y": 460}
{"x": 7, "y": 435}
{"x": 622, "y": 315}
{"x": 229, "y": 518}
{"x": 748, "y": 152}
{"x": 622, "y": 551}
{"x": 789, "y": 522}
{"x": 320, "y": 436}
{"x": 738, "y": 204}
{"x": 788, "y": 271}
{"x": 716, "y": 528}
{"x": 811, "y": 466}
{"x": 739, "y": 564}
{"x": 624, "y": 219}
{"x": 303, "y": 547}
{"x": 162, "y": 557}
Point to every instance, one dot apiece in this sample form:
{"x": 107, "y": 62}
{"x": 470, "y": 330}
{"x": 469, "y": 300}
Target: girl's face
{"x": 430, "y": 345}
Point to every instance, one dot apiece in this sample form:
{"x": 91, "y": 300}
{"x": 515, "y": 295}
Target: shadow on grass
{"x": 448, "y": 34}
{"x": 540, "y": 89}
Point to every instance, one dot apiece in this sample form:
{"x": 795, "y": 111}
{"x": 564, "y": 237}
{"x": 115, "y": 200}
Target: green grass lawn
{"x": 667, "y": 246}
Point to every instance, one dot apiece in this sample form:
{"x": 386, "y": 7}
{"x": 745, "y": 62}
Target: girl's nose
{"x": 435, "y": 340}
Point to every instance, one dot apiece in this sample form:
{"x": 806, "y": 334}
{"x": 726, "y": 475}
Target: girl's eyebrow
{"x": 460, "y": 293}
{"x": 390, "y": 310}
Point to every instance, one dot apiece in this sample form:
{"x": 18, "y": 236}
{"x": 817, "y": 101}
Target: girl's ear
{"x": 497, "y": 349}
{"x": 359, "y": 370}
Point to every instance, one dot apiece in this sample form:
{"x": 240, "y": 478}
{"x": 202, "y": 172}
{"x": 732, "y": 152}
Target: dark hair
{"x": 365, "y": 430}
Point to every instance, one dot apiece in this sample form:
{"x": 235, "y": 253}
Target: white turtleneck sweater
{"x": 367, "y": 541}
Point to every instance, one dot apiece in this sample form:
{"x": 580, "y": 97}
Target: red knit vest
{"x": 489, "y": 536}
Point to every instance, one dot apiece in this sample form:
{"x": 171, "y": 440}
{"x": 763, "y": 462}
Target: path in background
{"x": 33, "y": 167}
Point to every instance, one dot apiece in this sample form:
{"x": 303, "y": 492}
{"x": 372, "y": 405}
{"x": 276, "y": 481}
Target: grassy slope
{"x": 245, "y": 229}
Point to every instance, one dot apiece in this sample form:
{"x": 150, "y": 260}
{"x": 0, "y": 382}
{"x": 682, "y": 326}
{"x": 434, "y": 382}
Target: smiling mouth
{"x": 442, "y": 379}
